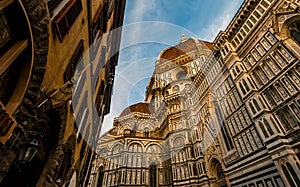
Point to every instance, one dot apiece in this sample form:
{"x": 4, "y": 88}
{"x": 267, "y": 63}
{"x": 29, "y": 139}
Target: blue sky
{"x": 149, "y": 27}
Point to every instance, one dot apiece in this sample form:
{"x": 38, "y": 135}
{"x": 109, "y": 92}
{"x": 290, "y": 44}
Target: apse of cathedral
{"x": 216, "y": 114}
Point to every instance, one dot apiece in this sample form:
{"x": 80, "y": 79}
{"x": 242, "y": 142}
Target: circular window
{"x": 181, "y": 75}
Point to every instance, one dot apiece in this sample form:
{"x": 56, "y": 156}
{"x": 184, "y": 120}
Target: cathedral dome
{"x": 186, "y": 45}
{"x": 139, "y": 107}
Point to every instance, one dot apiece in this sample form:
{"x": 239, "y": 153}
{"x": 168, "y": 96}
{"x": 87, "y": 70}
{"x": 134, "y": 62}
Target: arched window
{"x": 290, "y": 174}
{"x": 267, "y": 124}
{"x": 287, "y": 175}
{"x": 252, "y": 108}
{"x": 250, "y": 81}
{"x": 263, "y": 129}
{"x": 293, "y": 173}
{"x": 295, "y": 31}
{"x": 237, "y": 69}
{"x": 246, "y": 85}
{"x": 195, "y": 169}
{"x": 242, "y": 88}
{"x": 234, "y": 72}
{"x": 275, "y": 124}
{"x": 256, "y": 105}
{"x": 146, "y": 132}
{"x": 153, "y": 179}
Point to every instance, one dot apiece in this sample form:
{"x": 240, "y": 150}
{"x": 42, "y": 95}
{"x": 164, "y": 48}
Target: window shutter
{"x": 66, "y": 19}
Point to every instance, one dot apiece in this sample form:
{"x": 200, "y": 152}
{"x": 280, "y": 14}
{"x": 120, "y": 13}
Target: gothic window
{"x": 256, "y": 79}
{"x": 242, "y": 88}
{"x": 290, "y": 174}
{"x": 195, "y": 169}
{"x": 245, "y": 85}
{"x": 237, "y": 69}
{"x": 283, "y": 121}
{"x": 289, "y": 116}
{"x": 266, "y": 128}
{"x": 267, "y": 124}
{"x": 256, "y": 105}
{"x": 234, "y": 72}
{"x": 250, "y": 81}
{"x": 252, "y": 108}
{"x": 269, "y": 99}
{"x": 262, "y": 102}
{"x": 295, "y": 31}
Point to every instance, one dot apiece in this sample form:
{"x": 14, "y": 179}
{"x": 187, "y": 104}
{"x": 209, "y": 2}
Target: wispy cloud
{"x": 143, "y": 10}
{"x": 220, "y": 21}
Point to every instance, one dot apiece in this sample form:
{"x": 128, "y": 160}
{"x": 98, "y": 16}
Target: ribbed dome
{"x": 139, "y": 107}
{"x": 185, "y": 46}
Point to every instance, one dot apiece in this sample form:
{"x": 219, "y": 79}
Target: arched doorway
{"x": 153, "y": 174}
{"x": 217, "y": 176}
{"x": 100, "y": 176}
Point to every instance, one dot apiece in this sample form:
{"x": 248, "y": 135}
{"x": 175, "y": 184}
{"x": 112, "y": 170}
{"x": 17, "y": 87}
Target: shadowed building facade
{"x": 43, "y": 141}
{"x": 216, "y": 114}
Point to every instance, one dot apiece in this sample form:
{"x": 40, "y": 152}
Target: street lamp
{"x": 27, "y": 153}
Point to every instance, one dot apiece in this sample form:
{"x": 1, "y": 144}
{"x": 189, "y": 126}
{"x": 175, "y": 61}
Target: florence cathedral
{"x": 218, "y": 114}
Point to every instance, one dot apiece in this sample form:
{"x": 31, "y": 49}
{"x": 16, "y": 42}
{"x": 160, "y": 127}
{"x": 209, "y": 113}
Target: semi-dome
{"x": 139, "y": 107}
